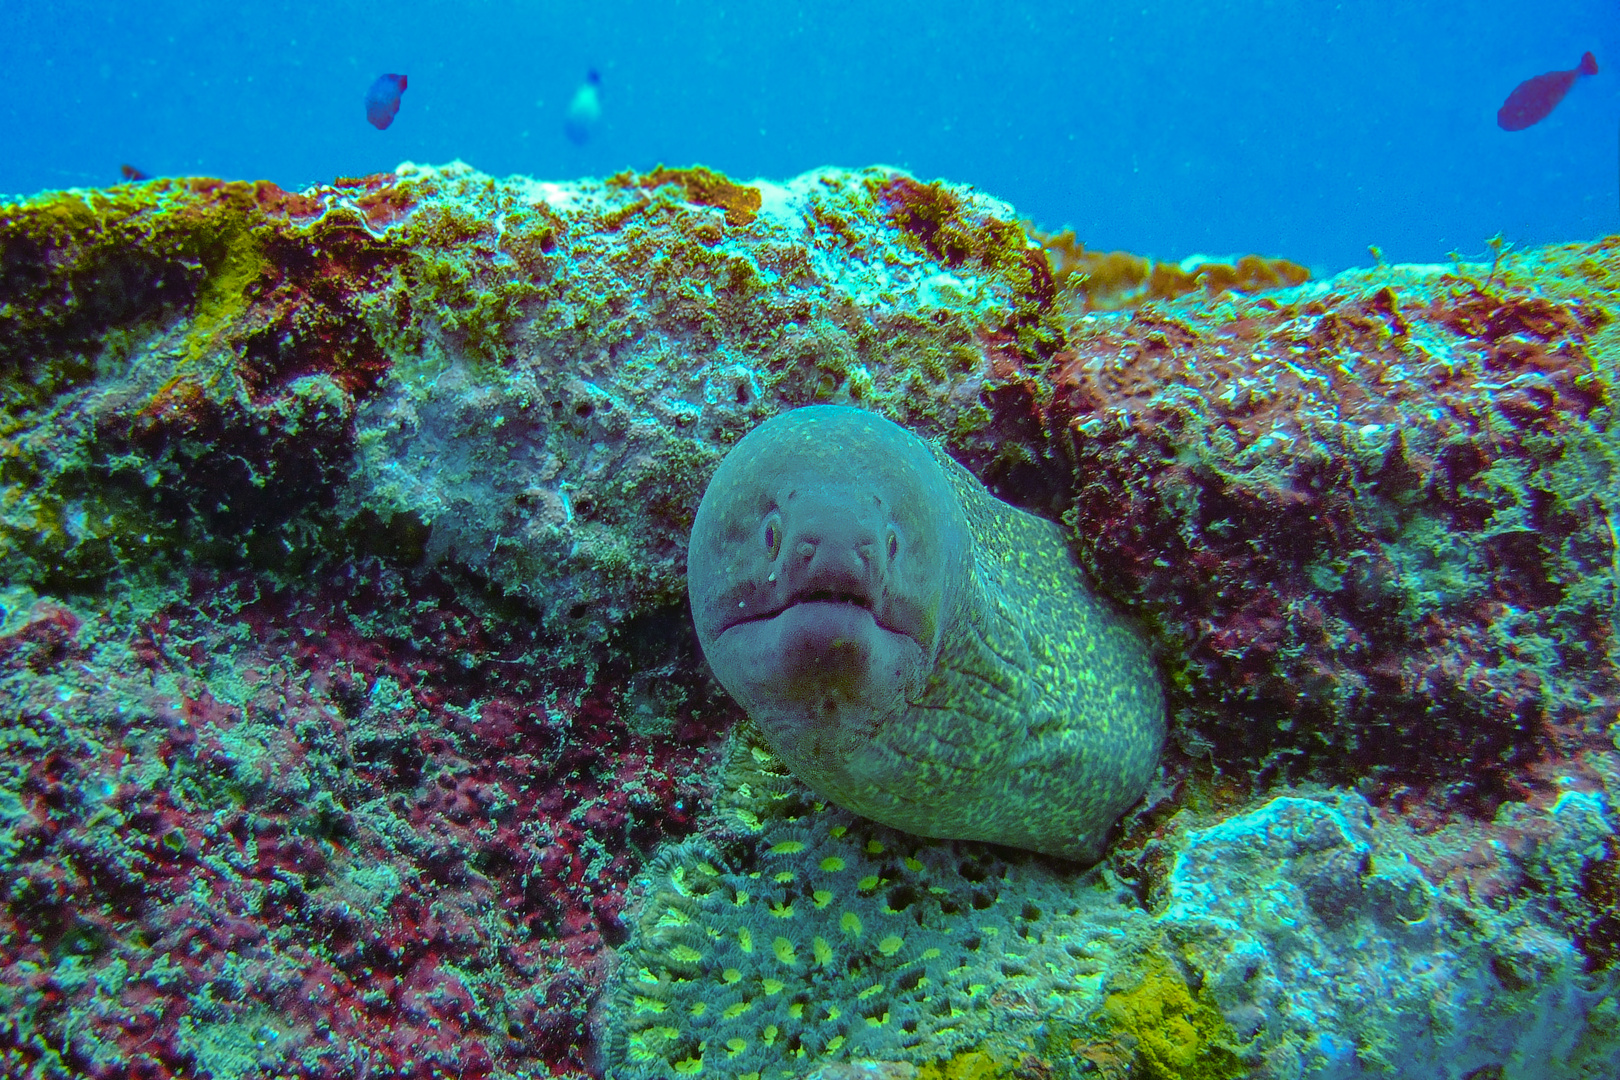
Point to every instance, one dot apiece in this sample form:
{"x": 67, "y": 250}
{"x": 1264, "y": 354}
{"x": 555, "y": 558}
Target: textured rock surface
{"x": 1317, "y": 933}
{"x": 348, "y": 689}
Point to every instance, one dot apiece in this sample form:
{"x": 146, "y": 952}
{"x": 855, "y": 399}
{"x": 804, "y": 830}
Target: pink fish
{"x": 1534, "y": 98}
{"x": 382, "y": 100}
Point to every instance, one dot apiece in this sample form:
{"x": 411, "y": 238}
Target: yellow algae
{"x": 968, "y": 1065}
{"x": 222, "y": 296}
{"x": 1178, "y": 1036}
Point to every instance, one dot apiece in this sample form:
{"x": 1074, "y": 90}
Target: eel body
{"x": 916, "y": 650}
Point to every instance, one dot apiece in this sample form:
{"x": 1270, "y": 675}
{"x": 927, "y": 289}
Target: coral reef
{"x": 354, "y": 723}
{"x": 348, "y": 673}
{"x": 805, "y": 932}
{"x": 1309, "y": 936}
{"x": 1314, "y": 927}
{"x": 326, "y": 832}
{"x": 1371, "y": 514}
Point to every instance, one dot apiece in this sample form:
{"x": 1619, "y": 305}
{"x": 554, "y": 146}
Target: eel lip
{"x": 814, "y": 596}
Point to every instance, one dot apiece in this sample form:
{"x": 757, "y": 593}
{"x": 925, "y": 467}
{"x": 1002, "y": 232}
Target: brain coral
{"x": 810, "y": 934}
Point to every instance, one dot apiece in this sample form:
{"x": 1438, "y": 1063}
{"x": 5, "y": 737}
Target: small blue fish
{"x": 382, "y": 100}
{"x": 584, "y": 110}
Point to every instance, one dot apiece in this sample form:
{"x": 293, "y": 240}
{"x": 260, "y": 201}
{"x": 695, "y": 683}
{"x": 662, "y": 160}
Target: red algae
{"x": 1336, "y": 462}
{"x": 453, "y": 852}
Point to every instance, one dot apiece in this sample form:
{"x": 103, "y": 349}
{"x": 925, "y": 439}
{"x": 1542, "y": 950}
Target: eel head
{"x": 824, "y": 562}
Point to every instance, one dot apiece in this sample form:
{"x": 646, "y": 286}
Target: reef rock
{"x": 355, "y": 723}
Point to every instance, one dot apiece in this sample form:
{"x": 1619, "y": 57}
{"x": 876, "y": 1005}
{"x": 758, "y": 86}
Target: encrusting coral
{"x": 809, "y": 933}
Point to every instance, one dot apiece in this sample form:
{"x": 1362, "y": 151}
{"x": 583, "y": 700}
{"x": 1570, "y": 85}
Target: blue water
{"x": 1302, "y": 129}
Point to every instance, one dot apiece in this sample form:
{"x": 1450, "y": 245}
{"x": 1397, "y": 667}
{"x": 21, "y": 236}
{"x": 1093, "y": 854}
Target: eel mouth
{"x": 834, "y": 597}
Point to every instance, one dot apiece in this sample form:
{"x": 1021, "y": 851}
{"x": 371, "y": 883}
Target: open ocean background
{"x": 1307, "y": 130}
{"x": 1291, "y": 128}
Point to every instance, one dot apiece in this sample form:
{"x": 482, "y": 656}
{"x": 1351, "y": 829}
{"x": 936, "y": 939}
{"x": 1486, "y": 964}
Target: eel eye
{"x": 773, "y": 535}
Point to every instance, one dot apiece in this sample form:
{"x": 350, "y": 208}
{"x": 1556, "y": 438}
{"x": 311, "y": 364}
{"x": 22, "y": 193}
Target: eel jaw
{"x": 825, "y": 645}
{"x": 844, "y": 595}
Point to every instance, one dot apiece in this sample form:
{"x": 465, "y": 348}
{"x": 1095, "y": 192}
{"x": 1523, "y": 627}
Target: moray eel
{"x": 914, "y": 649}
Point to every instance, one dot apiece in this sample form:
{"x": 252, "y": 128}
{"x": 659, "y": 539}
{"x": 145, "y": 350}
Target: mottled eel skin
{"x": 916, "y": 650}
